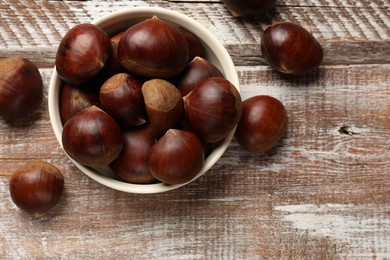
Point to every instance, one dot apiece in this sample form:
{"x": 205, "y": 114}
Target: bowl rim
{"x": 207, "y": 38}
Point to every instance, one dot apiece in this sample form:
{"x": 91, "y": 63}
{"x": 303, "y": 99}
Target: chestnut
{"x": 164, "y": 105}
{"x": 195, "y": 47}
{"x": 176, "y": 157}
{"x": 291, "y": 49}
{"x": 196, "y": 71}
{"x": 36, "y": 187}
{"x": 92, "y": 137}
{"x": 213, "y": 109}
{"x": 131, "y": 164}
{"x": 75, "y": 99}
{"x": 262, "y": 124}
{"x": 82, "y": 53}
{"x": 153, "y": 49}
{"x": 21, "y": 88}
{"x": 121, "y": 97}
{"x": 249, "y": 7}
{"x": 113, "y": 65}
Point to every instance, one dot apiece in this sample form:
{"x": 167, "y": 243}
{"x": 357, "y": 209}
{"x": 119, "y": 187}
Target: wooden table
{"x": 323, "y": 193}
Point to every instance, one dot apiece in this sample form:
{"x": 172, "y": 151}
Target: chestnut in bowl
{"x": 215, "y": 53}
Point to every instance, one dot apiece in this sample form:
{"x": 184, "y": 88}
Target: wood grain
{"x": 322, "y": 193}
{"x": 349, "y": 34}
{"x": 316, "y": 3}
{"x": 313, "y": 195}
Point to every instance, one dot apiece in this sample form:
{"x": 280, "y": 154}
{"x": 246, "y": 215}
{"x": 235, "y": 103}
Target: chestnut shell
{"x": 121, "y": 97}
{"x": 262, "y": 124}
{"x": 195, "y": 47}
{"x": 213, "y": 109}
{"x": 164, "y": 105}
{"x": 75, "y": 99}
{"x": 153, "y": 49}
{"x": 176, "y": 157}
{"x": 196, "y": 71}
{"x": 21, "y": 88}
{"x": 92, "y": 137}
{"x": 82, "y": 53}
{"x": 36, "y": 187}
{"x": 291, "y": 49}
{"x": 131, "y": 164}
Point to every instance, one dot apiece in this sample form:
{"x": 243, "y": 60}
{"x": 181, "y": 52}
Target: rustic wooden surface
{"x": 323, "y": 193}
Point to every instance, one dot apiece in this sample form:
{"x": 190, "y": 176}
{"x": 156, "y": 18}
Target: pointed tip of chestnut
{"x": 21, "y": 88}
{"x": 291, "y": 49}
{"x": 36, "y": 187}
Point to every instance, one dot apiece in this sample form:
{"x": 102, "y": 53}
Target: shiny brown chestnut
{"x": 82, "y": 53}
{"x": 213, "y": 109}
{"x": 176, "y": 157}
{"x": 131, "y": 164}
{"x": 121, "y": 97}
{"x": 249, "y": 7}
{"x": 153, "y": 49}
{"x": 291, "y": 49}
{"x": 196, "y": 71}
{"x": 164, "y": 105}
{"x": 195, "y": 47}
{"x": 21, "y": 88}
{"x": 75, "y": 99}
{"x": 36, "y": 187}
{"x": 92, "y": 137}
{"x": 262, "y": 125}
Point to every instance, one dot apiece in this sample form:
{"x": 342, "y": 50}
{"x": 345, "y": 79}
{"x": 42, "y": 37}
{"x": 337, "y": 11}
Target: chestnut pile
{"x": 147, "y": 103}
{"x": 128, "y": 102}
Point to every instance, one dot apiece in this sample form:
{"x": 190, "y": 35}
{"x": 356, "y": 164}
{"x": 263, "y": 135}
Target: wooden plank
{"x": 324, "y": 192}
{"x": 314, "y": 3}
{"x": 349, "y": 35}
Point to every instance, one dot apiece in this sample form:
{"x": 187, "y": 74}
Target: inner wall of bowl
{"x": 119, "y": 21}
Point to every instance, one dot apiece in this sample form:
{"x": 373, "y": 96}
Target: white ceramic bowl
{"x": 116, "y": 22}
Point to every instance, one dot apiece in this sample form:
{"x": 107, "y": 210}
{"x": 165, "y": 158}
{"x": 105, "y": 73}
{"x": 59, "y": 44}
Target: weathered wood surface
{"x": 323, "y": 193}
{"x": 351, "y": 34}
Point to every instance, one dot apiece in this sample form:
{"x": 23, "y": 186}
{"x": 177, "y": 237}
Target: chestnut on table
{"x": 322, "y": 193}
